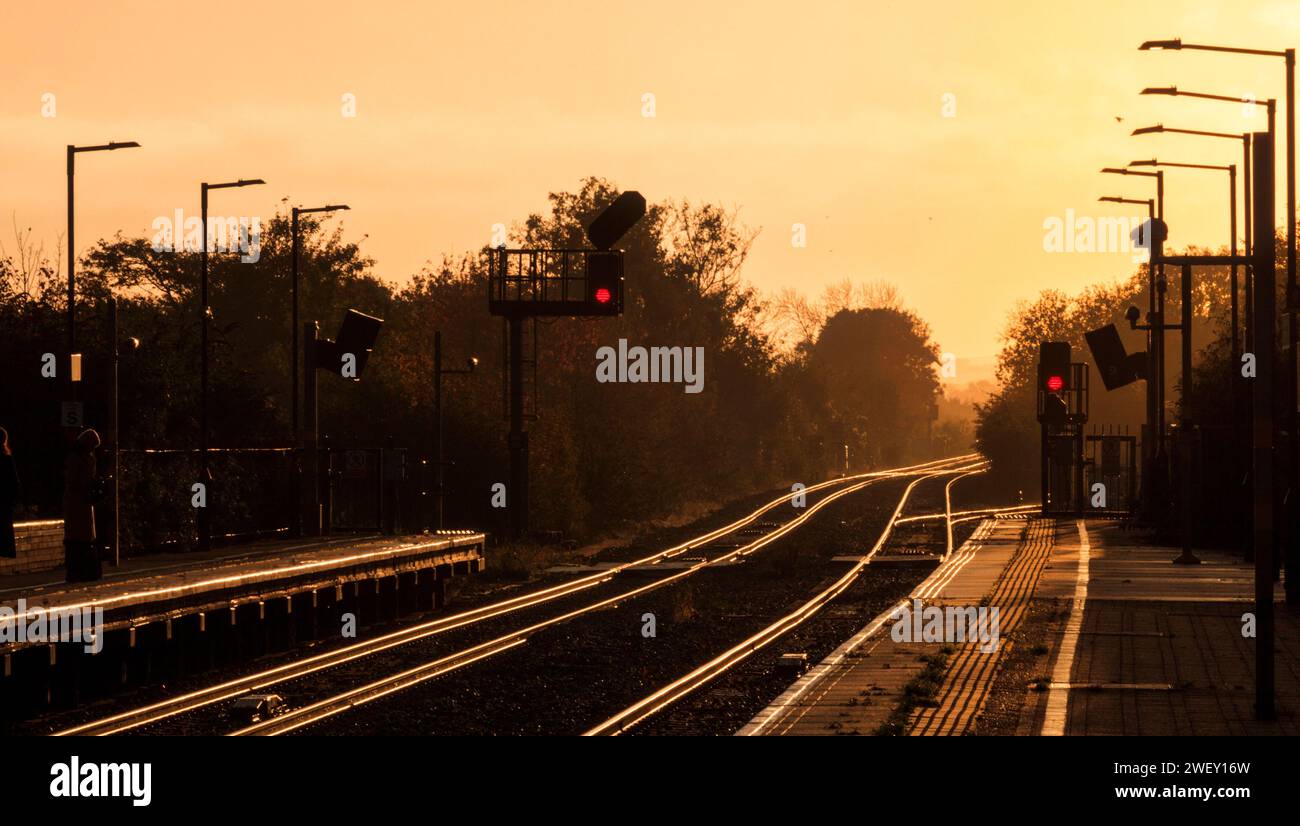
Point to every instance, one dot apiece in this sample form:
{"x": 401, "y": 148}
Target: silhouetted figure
{"x": 8, "y": 497}
{"x": 81, "y": 557}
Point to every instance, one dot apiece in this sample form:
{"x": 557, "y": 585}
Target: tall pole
{"x": 517, "y": 503}
{"x": 1152, "y": 327}
{"x": 1234, "y": 368}
{"x": 1247, "y": 400}
{"x": 1269, "y": 320}
{"x": 203, "y": 520}
{"x": 205, "y": 476}
{"x": 1247, "y": 201}
{"x": 72, "y": 264}
{"x": 1262, "y": 420}
{"x": 310, "y": 333}
{"x": 1151, "y": 441}
{"x": 1161, "y": 457}
{"x": 1185, "y": 419}
{"x": 114, "y": 453}
{"x": 1292, "y": 392}
{"x": 1290, "y": 182}
{"x": 296, "y": 470}
{"x": 1234, "y": 358}
{"x": 72, "y": 246}
{"x": 437, "y": 431}
{"x": 294, "y": 412}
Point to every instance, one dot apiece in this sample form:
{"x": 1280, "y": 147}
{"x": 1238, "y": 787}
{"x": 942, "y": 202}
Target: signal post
{"x": 1062, "y": 412}
{"x": 526, "y": 283}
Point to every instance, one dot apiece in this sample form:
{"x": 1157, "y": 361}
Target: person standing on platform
{"x": 81, "y": 556}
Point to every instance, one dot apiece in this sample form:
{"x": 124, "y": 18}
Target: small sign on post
{"x": 72, "y": 415}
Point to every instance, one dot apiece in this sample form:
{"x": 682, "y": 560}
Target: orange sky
{"x": 829, "y": 115}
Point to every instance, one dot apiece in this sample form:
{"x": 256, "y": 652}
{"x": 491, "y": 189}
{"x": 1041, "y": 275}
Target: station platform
{"x": 1098, "y": 633}
{"x": 165, "y": 588}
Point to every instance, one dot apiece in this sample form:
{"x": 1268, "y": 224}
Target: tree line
{"x": 853, "y": 376}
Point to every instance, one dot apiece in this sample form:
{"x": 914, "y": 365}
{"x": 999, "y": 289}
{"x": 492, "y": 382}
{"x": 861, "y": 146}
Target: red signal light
{"x": 603, "y": 295}
{"x": 1055, "y": 383}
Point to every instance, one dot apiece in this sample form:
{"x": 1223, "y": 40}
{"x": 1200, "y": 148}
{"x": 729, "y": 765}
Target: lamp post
{"x": 1231, "y": 169}
{"x": 114, "y": 437}
{"x": 438, "y": 372}
{"x": 1234, "y": 357}
{"x": 72, "y": 244}
{"x": 1244, "y": 137}
{"x": 1288, "y": 56}
{"x": 205, "y": 474}
{"x": 1252, "y": 320}
{"x": 1156, "y": 310}
{"x": 1292, "y": 304}
{"x": 1185, "y": 328}
{"x": 1153, "y": 374}
{"x": 296, "y": 524}
{"x": 1271, "y": 106}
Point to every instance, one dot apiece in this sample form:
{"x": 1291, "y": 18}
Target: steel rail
{"x": 227, "y": 690}
{"x": 382, "y": 687}
{"x": 676, "y": 690}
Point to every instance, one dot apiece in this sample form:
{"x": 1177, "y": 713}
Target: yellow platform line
{"x": 971, "y": 674}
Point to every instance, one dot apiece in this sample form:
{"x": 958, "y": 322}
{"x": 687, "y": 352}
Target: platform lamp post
{"x": 1270, "y": 107}
{"x": 1239, "y": 333}
{"x": 1291, "y": 387}
{"x": 72, "y": 244}
{"x": 1262, "y": 262}
{"x": 1185, "y": 326}
{"x": 295, "y": 526}
{"x": 1156, "y": 326}
{"x": 1152, "y": 327}
{"x": 1244, "y": 138}
{"x": 1156, "y": 302}
{"x": 205, "y": 314}
{"x": 439, "y": 490}
{"x": 1288, "y": 57}
{"x": 114, "y": 434}
{"x": 1231, "y": 169}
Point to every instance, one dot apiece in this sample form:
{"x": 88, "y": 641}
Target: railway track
{"x": 719, "y": 665}
{"x": 781, "y": 715}
{"x": 155, "y": 713}
{"x": 383, "y": 687}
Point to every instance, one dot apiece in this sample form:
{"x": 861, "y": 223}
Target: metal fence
{"x": 250, "y": 495}
{"x": 1111, "y": 460}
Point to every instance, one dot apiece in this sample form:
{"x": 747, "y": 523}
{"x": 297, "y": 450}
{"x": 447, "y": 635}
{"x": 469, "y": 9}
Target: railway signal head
{"x": 1053, "y": 381}
{"x": 604, "y": 290}
{"x": 566, "y": 282}
{"x": 1054, "y": 366}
